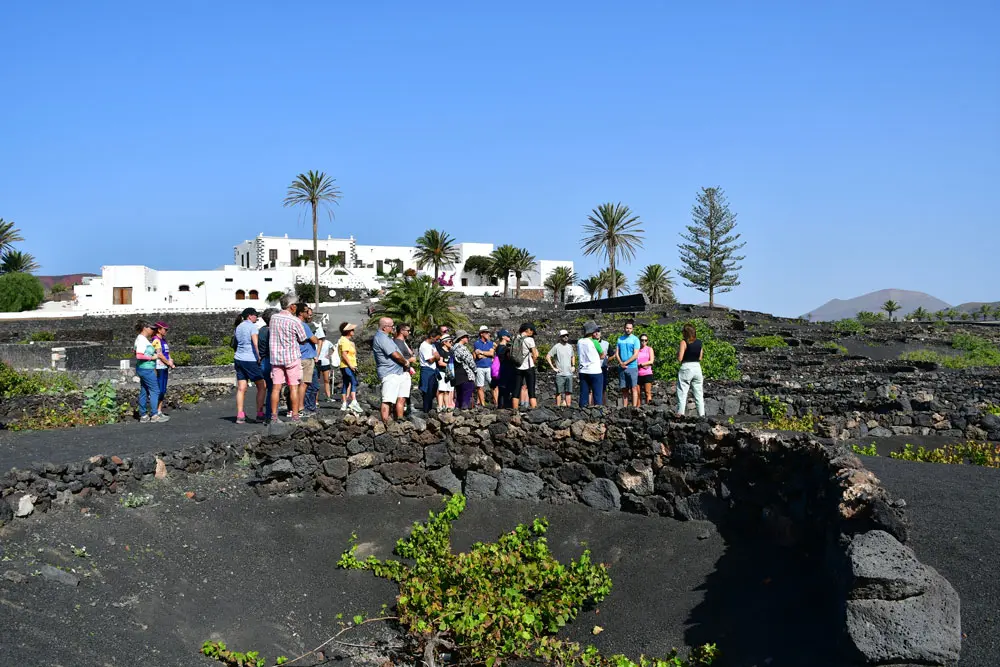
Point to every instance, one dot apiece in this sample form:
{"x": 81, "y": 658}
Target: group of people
{"x": 280, "y": 354}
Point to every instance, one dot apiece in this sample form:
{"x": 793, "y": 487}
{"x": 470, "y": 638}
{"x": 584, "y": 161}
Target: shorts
{"x": 525, "y": 377}
{"x": 308, "y": 366}
{"x": 350, "y": 379}
{"x": 628, "y": 377}
{"x": 645, "y": 379}
{"x": 395, "y": 386}
{"x": 564, "y": 384}
{"x": 483, "y": 376}
{"x": 290, "y": 375}
{"x": 248, "y": 371}
{"x": 323, "y": 368}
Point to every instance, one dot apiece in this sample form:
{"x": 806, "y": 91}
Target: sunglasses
{"x": 643, "y": 340}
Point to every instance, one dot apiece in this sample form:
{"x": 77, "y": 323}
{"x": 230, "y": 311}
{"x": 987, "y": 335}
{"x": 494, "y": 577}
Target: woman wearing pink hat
{"x": 163, "y": 361}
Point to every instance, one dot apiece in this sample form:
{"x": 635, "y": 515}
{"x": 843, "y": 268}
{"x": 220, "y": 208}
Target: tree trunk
{"x": 517, "y": 289}
{"x": 711, "y": 297}
{"x": 315, "y": 257}
{"x": 613, "y": 281}
{"x": 506, "y": 284}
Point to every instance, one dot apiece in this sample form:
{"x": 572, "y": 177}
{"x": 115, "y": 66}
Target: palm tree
{"x": 996, "y": 312}
{"x": 591, "y": 285}
{"x": 657, "y": 284}
{"x": 421, "y": 302}
{"x": 317, "y": 190}
{"x": 919, "y": 314}
{"x": 890, "y": 307}
{"x": 985, "y": 310}
{"x": 939, "y": 315}
{"x": 15, "y": 261}
{"x": 504, "y": 259}
{"x": 612, "y": 231}
{"x": 9, "y": 235}
{"x": 436, "y": 248}
{"x": 952, "y": 313}
{"x": 605, "y": 279}
{"x": 557, "y": 281}
{"x": 524, "y": 262}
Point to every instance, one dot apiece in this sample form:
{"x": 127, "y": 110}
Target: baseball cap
{"x": 563, "y": 332}
{"x": 161, "y": 325}
{"x": 503, "y": 332}
{"x": 483, "y": 328}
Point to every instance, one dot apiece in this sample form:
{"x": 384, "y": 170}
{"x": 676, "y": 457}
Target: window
{"x": 294, "y": 254}
{"x": 379, "y": 267}
{"x": 184, "y": 288}
{"x": 240, "y": 295}
{"x": 229, "y": 280}
{"x": 267, "y": 280}
{"x": 123, "y": 296}
{"x": 465, "y": 282}
{"x": 342, "y": 258}
{"x": 253, "y": 295}
{"x": 322, "y": 257}
{"x": 272, "y": 255}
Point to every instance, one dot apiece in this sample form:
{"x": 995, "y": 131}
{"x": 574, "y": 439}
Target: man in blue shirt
{"x": 309, "y": 387}
{"x": 391, "y": 367}
{"x": 484, "y": 351}
{"x": 627, "y": 354}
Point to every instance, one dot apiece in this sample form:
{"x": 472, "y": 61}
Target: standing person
{"x": 446, "y": 374}
{"x": 429, "y": 357}
{"x": 390, "y": 366}
{"x": 484, "y": 352}
{"x": 323, "y": 363}
{"x": 689, "y": 374}
{"x": 287, "y": 334}
{"x": 503, "y": 383}
{"x": 626, "y": 354}
{"x": 309, "y": 389}
{"x": 145, "y": 368}
{"x": 163, "y": 361}
{"x": 348, "y": 368}
{"x": 591, "y": 354}
{"x": 264, "y": 350}
{"x": 246, "y": 362}
{"x": 402, "y": 333}
{"x": 524, "y": 350}
{"x": 646, "y": 359}
{"x": 465, "y": 371}
{"x": 564, "y": 366}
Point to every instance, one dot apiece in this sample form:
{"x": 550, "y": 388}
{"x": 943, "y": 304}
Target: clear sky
{"x": 857, "y": 141}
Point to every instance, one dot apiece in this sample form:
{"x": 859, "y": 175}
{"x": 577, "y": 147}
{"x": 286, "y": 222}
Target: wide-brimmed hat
{"x": 460, "y": 334}
{"x": 349, "y": 327}
{"x": 161, "y": 325}
{"x": 590, "y": 326}
{"x": 247, "y": 312}
{"x": 563, "y": 332}
{"x": 445, "y": 338}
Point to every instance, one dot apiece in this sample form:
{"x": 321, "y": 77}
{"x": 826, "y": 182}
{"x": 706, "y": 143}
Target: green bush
{"x": 367, "y": 374}
{"x": 14, "y": 383}
{"x": 849, "y": 326}
{"x": 41, "y": 337}
{"x": 867, "y": 317}
{"x": 100, "y": 404}
{"x": 766, "y": 342}
{"x": 181, "y": 358}
{"x": 834, "y": 345}
{"x": 867, "y": 450}
{"x": 227, "y": 341}
{"x": 224, "y": 356}
{"x": 719, "y": 359}
{"x": 20, "y": 292}
{"x": 984, "y": 454}
{"x": 976, "y": 352}
{"x": 274, "y": 296}
{"x": 198, "y": 339}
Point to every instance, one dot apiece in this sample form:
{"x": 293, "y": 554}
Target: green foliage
{"x": 100, "y": 404}
{"x": 420, "y": 302}
{"x": 776, "y": 415}
{"x": 198, "y": 339}
{"x": 543, "y": 351}
{"x": 224, "y": 356}
{"x": 834, "y": 345}
{"x": 976, "y": 352}
{"x": 984, "y": 454}
{"x": 41, "y": 337}
{"x": 709, "y": 254}
{"x": 890, "y": 307}
{"x": 499, "y": 602}
{"x": 657, "y": 284}
{"x": 766, "y": 342}
{"x": 20, "y": 292}
{"x": 849, "y": 326}
{"x": 481, "y": 265}
{"x": 14, "y": 383}
{"x": 181, "y": 358}
{"x": 219, "y": 651}
{"x": 58, "y": 288}
{"x": 867, "y": 450}
{"x": 367, "y": 375}
{"x": 15, "y": 261}
{"x": 719, "y": 361}
{"x": 992, "y": 409}
{"x": 621, "y": 282}
{"x": 133, "y": 500}
{"x": 275, "y": 296}
{"x": 557, "y": 281}
{"x": 437, "y": 249}
{"x": 227, "y": 341}
{"x": 592, "y": 286}
{"x": 613, "y": 232}
{"x": 867, "y": 317}
{"x": 774, "y": 407}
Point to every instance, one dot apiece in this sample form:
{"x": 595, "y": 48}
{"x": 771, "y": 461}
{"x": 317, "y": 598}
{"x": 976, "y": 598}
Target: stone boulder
{"x": 478, "y": 485}
{"x": 898, "y": 609}
{"x": 602, "y": 494}
{"x": 519, "y": 485}
{"x": 444, "y": 479}
{"x": 366, "y": 482}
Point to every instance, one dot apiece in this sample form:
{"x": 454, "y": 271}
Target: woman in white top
{"x": 591, "y": 352}
{"x": 325, "y": 364}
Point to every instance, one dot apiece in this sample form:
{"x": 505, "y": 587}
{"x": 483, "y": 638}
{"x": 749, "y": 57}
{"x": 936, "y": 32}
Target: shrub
{"x": 868, "y": 450}
{"x": 57, "y": 288}
{"x": 976, "y": 352}
{"x": 198, "y": 339}
{"x": 227, "y": 341}
{"x": 849, "y": 327}
{"x": 867, "y": 317}
{"x": 181, "y": 358}
{"x": 14, "y": 383}
{"x": 100, "y": 404}
{"x": 20, "y": 292}
{"x": 41, "y": 337}
{"x": 719, "y": 362}
{"x": 497, "y": 603}
{"x": 543, "y": 350}
{"x": 776, "y": 415}
{"x": 992, "y": 409}
{"x": 834, "y": 345}
{"x": 367, "y": 374}
{"x": 766, "y": 342}
{"x": 275, "y": 296}
{"x": 224, "y": 356}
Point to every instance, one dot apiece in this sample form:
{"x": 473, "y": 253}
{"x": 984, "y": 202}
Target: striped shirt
{"x": 287, "y": 333}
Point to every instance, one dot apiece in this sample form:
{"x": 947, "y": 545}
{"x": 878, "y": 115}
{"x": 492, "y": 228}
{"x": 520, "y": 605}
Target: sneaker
{"x": 275, "y": 420}
{"x": 308, "y": 414}
{"x": 294, "y": 417}
{"x": 144, "y": 419}
{"x": 159, "y": 418}
{"x": 261, "y": 417}
{"x": 241, "y": 418}
{"x": 356, "y": 408}
{"x": 343, "y": 406}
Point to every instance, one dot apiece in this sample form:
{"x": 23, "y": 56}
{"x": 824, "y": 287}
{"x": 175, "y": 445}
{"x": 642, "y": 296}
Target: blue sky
{"x": 857, "y": 141}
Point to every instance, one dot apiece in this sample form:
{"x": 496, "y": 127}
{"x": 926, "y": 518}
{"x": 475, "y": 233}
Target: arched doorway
{"x": 252, "y": 295}
{"x": 240, "y": 295}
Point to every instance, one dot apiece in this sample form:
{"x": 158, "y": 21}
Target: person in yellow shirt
{"x": 348, "y": 367}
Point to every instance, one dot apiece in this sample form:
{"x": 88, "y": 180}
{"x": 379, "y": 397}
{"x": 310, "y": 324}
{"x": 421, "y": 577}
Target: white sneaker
{"x": 343, "y": 406}
{"x": 356, "y": 408}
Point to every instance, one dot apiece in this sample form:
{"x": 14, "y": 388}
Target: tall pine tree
{"x": 709, "y": 253}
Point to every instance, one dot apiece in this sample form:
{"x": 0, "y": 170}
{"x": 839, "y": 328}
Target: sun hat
{"x": 460, "y": 334}
{"x": 563, "y": 332}
{"x": 590, "y": 326}
{"x": 446, "y": 337}
{"x": 349, "y": 327}
{"x": 161, "y": 325}
{"x": 525, "y": 327}
{"x": 483, "y": 328}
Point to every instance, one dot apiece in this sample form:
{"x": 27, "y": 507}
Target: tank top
{"x": 644, "y": 358}
{"x": 693, "y": 352}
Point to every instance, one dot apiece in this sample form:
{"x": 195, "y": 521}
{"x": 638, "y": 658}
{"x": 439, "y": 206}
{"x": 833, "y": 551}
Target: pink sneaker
{"x": 241, "y": 418}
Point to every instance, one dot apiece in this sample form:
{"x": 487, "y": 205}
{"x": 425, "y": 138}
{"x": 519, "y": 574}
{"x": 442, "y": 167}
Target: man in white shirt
{"x": 526, "y": 371}
{"x": 591, "y": 350}
{"x": 428, "y": 356}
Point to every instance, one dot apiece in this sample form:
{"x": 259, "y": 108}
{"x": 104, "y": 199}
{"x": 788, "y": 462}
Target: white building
{"x": 269, "y": 264}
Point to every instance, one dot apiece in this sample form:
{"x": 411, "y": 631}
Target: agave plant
{"x": 557, "y": 281}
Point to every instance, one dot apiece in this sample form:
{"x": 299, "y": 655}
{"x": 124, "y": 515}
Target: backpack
{"x": 516, "y": 351}
{"x": 495, "y": 367}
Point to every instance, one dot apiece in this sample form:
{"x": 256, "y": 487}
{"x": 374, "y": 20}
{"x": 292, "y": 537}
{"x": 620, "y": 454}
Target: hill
{"x": 838, "y": 309}
{"x": 974, "y": 306}
{"x": 68, "y": 280}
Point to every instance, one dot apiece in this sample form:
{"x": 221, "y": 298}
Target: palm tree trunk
{"x": 506, "y": 284}
{"x": 315, "y": 257}
{"x": 613, "y": 281}
{"x": 517, "y": 289}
